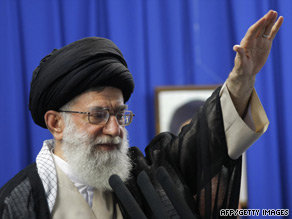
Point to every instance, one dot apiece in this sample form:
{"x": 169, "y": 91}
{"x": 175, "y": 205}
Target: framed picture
{"x": 175, "y": 105}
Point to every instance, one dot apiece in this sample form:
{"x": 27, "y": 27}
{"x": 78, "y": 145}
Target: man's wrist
{"x": 240, "y": 89}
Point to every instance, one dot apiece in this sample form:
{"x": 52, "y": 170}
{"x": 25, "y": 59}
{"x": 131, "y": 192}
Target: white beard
{"x": 91, "y": 164}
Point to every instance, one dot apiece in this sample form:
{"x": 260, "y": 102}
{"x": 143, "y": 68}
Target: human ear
{"x": 55, "y": 124}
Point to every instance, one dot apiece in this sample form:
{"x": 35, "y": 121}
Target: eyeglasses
{"x": 101, "y": 116}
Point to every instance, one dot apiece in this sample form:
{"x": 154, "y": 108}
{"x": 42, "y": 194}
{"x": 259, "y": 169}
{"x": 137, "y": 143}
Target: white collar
{"x": 45, "y": 162}
{"x": 85, "y": 190}
{"x": 47, "y": 172}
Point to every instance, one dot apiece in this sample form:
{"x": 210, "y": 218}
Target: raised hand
{"x": 251, "y": 55}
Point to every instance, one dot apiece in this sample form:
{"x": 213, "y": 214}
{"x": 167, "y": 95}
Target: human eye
{"x": 120, "y": 116}
{"x": 98, "y": 116}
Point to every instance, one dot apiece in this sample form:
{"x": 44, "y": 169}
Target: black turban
{"x": 73, "y": 69}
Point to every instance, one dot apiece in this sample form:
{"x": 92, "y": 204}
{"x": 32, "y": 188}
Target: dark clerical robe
{"x": 197, "y": 161}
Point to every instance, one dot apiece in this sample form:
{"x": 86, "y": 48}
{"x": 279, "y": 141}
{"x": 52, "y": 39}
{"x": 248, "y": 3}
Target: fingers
{"x": 271, "y": 18}
{"x": 276, "y": 27}
{"x": 255, "y": 28}
{"x": 266, "y": 26}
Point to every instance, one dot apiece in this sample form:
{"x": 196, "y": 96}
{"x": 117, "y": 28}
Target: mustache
{"x": 108, "y": 140}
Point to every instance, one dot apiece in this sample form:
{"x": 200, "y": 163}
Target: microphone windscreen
{"x": 173, "y": 194}
{"x": 125, "y": 197}
{"x": 151, "y": 196}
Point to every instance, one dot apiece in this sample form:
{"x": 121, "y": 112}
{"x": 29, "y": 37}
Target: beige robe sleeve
{"x": 242, "y": 133}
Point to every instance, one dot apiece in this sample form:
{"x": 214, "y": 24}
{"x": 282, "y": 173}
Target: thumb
{"x": 239, "y": 50}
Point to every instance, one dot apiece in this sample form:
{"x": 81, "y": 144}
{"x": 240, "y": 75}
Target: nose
{"x": 112, "y": 127}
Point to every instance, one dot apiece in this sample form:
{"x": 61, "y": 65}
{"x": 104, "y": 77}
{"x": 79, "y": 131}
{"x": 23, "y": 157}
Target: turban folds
{"x": 73, "y": 69}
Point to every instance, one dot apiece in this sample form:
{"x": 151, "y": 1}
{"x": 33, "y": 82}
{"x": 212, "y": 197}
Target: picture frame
{"x": 168, "y": 99}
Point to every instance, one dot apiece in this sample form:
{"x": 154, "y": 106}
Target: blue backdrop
{"x": 165, "y": 42}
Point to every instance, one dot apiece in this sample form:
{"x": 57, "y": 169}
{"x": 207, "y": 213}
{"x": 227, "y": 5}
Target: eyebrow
{"x": 118, "y": 108}
{"x": 122, "y": 107}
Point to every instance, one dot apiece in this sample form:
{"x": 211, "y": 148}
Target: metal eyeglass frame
{"x": 106, "y": 118}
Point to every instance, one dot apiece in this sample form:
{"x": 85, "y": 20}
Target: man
{"x": 79, "y": 93}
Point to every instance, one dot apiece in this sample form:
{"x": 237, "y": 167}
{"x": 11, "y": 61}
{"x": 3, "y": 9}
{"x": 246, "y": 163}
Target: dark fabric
{"x": 24, "y": 196}
{"x": 73, "y": 69}
{"x": 196, "y": 160}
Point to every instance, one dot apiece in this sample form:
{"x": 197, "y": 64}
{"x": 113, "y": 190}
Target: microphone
{"x": 173, "y": 194}
{"x": 124, "y": 195}
{"x": 151, "y": 196}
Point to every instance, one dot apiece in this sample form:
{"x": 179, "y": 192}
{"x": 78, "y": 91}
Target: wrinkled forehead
{"x": 108, "y": 97}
